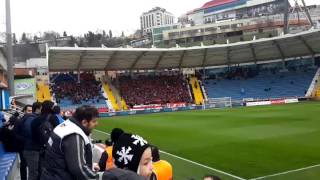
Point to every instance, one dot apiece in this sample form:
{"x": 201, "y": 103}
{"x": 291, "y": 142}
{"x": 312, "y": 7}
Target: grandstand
{"x": 284, "y": 77}
{"x": 68, "y": 91}
{"x": 265, "y": 84}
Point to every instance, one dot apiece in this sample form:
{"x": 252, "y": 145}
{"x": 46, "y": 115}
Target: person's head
{"x": 211, "y": 177}
{"x": 133, "y": 153}
{"x": 27, "y": 109}
{"x": 87, "y": 117}
{"x": 36, "y": 107}
{"x": 56, "y": 109}
{"x": 115, "y": 134}
{"x": 47, "y": 107}
{"x": 107, "y": 142}
{"x": 155, "y": 153}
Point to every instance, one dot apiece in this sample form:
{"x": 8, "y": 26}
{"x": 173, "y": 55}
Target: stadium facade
{"x": 227, "y": 21}
{"x": 155, "y": 17}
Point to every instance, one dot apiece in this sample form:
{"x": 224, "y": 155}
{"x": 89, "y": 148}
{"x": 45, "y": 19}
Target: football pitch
{"x": 270, "y": 142}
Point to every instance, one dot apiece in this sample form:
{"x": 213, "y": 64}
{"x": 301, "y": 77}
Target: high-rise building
{"x": 153, "y": 18}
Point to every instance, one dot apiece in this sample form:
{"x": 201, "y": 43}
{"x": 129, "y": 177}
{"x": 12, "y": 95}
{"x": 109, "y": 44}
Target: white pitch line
{"x": 187, "y": 160}
{"x": 287, "y": 172}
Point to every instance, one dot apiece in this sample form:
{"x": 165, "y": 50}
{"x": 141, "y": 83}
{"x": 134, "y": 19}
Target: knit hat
{"x": 128, "y": 151}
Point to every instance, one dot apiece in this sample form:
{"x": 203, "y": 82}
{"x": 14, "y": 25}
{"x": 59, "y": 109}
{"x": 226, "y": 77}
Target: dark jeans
{"x": 23, "y": 166}
{"x": 32, "y": 158}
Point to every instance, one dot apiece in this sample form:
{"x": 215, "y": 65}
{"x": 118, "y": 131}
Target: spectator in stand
{"x": 161, "y": 168}
{"x": 41, "y": 129}
{"x": 18, "y": 130}
{"x": 143, "y": 90}
{"x": 132, "y": 152}
{"x": 69, "y": 152}
{"x": 106, "y": 160}
{"x": 31, "y": 149}
{"x": 56, "y": 118}
{"x": 87, "y": 90}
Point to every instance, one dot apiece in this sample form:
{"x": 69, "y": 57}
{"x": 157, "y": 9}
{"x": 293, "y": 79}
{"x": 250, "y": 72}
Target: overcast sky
{"x": 79, "y": 16}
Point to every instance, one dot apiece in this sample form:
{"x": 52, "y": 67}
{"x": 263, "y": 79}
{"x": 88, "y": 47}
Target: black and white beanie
{"x": 128, "y": 150}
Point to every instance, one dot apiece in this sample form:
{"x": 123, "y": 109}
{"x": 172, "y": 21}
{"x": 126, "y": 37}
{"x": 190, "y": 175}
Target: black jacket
{"x": 68, "y": 154}
{"x": 25, "y": 134}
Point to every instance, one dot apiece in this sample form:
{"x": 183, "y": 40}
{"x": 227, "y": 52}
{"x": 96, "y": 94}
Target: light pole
{"x": 10, "y": 73}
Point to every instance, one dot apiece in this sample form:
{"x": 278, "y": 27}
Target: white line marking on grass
{"x": 286, "y": 172}
{"x": 187, "y": 160}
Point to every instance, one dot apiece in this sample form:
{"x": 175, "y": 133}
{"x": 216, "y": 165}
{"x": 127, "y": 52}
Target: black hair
{"x": 56, "y": 109}
{"x": 155, "y": 153}
{"x": 47, "y": 107}
{"x": 115, "y": 134}
{"x": 85, "y": 113}
{"x": 108, "y": 142}
{"x": 26, "y": 107}
{"x": 35, "y": 106}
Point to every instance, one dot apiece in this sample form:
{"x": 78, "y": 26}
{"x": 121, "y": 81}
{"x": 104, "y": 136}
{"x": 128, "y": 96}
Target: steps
{"x": 196, "y": 89}
{"x": 318, "y": 93}
{"x": 43, "y": 92}
{"x": 111, "y": 97}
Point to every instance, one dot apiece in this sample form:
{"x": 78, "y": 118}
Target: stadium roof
{"x": 215, "y": 3}
{"x": 289, "y": 46}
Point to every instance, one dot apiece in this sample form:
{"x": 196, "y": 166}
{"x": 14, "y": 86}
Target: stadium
{"x": 241, "y": 107}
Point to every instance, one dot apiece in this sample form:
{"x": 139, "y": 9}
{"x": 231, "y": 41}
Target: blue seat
{"x": 6, "y": 162}
{"x": 287, "y": 84}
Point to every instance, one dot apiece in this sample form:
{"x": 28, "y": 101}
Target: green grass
{"x": 247, "y": 142}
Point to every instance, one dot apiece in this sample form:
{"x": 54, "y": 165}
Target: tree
{"x": 122, "y": 34}
{"x": 50, "y": 35}
{"x": 64, "y": 34}
{"x": 24, "y": 38}
{"x": 110, "y": 34}
{"x": 72, "y": 41}
{"x": 35, "y": 37}
{"x": 103, "y": 33}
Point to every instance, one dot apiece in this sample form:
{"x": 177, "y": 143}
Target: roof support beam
{"x": 159, "y": 60}
{"x": 279, "y": 49}
{"x": 281, "y": 53}
{"x": 181, "y": 59}
{"x": 254, "y": 55}
{"x": 228, "y": 57}
{"x": 110, "y": 59}
{"x": 81, "y": 59}
{"x": 137, "y": 59}
{"x": 204, "y": 60}
{"x": 305, "y": 43}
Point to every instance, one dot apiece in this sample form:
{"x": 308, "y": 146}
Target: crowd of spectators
{"x": 88, "y": 90}
{"x": 144, "y": 90}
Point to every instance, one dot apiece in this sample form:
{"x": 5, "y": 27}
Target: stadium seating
{"x": 143, "y": 89}
{"x": 111, "y": 97}
{"x": 68, "y": 92}
{"x": 6, "y": 162}
{"x": 265, "y": 85}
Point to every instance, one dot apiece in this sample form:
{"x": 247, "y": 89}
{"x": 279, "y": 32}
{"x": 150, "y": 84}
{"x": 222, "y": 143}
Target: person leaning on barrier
{"x": 69, "y": 151}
